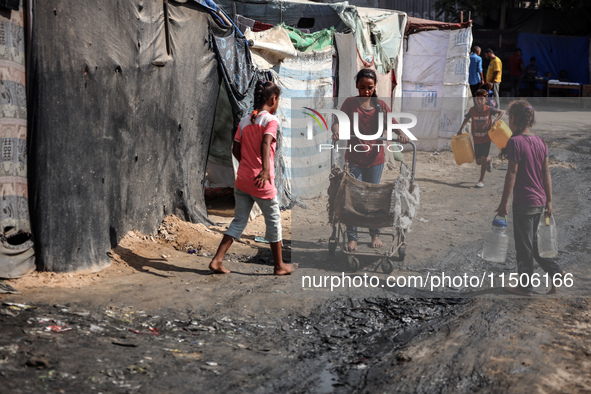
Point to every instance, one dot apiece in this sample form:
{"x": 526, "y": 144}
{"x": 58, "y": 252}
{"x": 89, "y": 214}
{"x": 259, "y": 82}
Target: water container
{"x": 461, "y": 145}
{"x": 547, "y": 237}
{"x": 500, "y": 134}
{"x": 496, "y": 242}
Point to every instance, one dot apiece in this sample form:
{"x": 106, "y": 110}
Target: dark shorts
{"x": 481, "y": 150}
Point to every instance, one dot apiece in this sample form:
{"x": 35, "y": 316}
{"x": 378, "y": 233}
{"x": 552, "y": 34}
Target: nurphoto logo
{"x": 315, "y": 117}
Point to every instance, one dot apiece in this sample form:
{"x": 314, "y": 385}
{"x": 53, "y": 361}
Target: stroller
{"x": 390, "y": 206}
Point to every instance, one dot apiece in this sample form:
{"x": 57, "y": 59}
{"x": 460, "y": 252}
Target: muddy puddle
{"x": 121, "y": 350}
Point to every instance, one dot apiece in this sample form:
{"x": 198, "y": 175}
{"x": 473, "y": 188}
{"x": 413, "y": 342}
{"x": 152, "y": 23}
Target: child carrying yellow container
{"x": 481, "y": 116}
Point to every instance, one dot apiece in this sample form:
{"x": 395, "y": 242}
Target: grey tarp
{"x": 122, "y": 130}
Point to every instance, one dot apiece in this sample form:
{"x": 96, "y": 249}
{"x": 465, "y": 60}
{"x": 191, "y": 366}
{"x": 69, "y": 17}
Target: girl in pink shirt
{"x": 254, "y": 148}
{"x": 528, "y": 177}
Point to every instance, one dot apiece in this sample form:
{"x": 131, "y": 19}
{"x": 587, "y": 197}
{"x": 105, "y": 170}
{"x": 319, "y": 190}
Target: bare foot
{"x": 554, "y": 289}
{"x": 218, "y": 267}
{"x": 352, "y": 246}
{"x": 376, "y": 242}
{"x": 286, "y": 269}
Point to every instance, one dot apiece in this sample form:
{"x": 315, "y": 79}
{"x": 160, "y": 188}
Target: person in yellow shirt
{"x": 493, "y": 73}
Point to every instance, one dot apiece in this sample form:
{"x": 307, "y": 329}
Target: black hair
{"x": 371, "y": 74}
{"x": 523, "y": 115}
{"x": 489, "y": 50}
{"x": 368, "y": 73}
{"x": 532, "y": 58}
{"x": 475, "y": 49}
{"x": 481, "y": 93}
{"x": 263, "y": 91}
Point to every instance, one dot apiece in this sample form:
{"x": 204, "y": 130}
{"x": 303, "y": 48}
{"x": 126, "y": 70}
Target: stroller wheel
{"x": 387, "y": 266}
{"x": 332, "y": 247}
{"x": 354, "y": 264}
{"x": 402, "y": 252}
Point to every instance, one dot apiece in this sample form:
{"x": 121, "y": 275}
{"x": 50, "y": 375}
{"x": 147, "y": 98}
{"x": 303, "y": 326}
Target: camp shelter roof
{"x": 416, "y": 25}
{"x": 289, "y": 12}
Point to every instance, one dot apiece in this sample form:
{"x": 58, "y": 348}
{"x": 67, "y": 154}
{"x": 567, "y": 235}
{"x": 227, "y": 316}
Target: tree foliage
{"x": 453, "y": 8}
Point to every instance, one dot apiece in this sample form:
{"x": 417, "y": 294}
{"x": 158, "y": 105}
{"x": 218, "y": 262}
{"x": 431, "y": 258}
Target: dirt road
{"x": 158, "y": 321}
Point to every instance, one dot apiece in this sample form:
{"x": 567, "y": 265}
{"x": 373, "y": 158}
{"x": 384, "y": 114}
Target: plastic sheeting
{"x": 436, "y": 66}
{"x": 235, "y": 61}
{"x": 304, "y": 42}
{"x": 17, "y": 256}
{"x": 270, "y": 47}
{"x": 122, "y": 128}
{"x": 556, "y": 53}
{"x": 371, "y": 53}
{"x": 289, "y": 12}
{"x": 307, "y": 77}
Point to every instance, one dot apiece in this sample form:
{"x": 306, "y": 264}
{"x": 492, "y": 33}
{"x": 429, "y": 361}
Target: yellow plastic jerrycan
{"x": 500, "y": 134}
{"x": 461, "y": 146}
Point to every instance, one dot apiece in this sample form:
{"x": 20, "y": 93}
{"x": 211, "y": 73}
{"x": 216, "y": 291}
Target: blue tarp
{"x": 555, "y": 53}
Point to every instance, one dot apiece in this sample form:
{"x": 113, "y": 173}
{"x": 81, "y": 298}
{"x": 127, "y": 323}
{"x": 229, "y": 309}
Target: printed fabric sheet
{"x": 16, "y": 247}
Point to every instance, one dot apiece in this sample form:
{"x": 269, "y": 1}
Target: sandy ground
{"x": 158, "y": 321}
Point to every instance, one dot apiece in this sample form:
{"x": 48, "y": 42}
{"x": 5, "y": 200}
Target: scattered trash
{"x": 260, "y": 239}
{"x": 17, "y": 307}
{"x": 212, "y": 363}
{"x": 192, "y": 251}
{"x": 7, "y": 312}
{"x": 123, "y": 343}
{"x": 186, "y": 356}
{"x": 5, "y": 288}
{"x": 137, "y": 369}
{"x": 95, "y": 328}
{"x": 58, "y": 328}
{"x": 153, "y": 331}
{"x": 423, "y": 220}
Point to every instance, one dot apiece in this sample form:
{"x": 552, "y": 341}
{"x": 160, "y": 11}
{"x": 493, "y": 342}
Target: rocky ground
{"x": 158, "y": 321}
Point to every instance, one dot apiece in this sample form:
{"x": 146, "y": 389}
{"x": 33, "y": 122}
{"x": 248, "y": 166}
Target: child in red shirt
{"x": 481, "y": 115}
{"x": 254, "y": 148}
{"x": 365, "y": 164}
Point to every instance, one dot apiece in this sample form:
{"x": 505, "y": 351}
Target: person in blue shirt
{"x": 475, "y": 76}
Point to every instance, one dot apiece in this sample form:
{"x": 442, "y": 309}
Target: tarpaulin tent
{"x": 123, "y": 105}
{"x": 436, "y": 61}
{"x": 376, "y": 43}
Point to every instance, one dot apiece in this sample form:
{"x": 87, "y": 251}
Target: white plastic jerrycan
{"x": 496, "y": 241}
{"x": 547, "y": 237}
